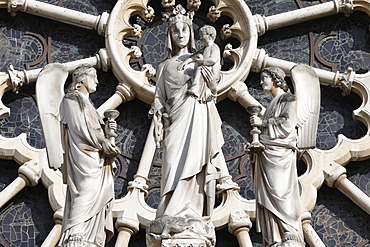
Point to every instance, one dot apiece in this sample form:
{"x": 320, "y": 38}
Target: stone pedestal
{"x": 169, "y": 231}
{"x": 183, "y": 243}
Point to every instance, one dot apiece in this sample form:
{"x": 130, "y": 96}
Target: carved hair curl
{"x": 79, "y": 74}
{"x": 208, "y": 30}
{"x": 277, "y": 75}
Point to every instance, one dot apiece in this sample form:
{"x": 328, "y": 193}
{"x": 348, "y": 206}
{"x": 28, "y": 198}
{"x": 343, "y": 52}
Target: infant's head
{"x": 207, "y": 30}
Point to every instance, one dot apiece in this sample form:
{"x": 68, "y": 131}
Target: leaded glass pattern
{"x": 28, "y": 218}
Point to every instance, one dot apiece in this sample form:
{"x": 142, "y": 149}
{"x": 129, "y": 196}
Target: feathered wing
{"x": 49, "y": 95}
{"x": 307, "y": 90}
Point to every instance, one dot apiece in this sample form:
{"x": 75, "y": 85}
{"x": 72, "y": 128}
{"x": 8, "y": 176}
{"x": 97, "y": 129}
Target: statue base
{"x": 183, "y": 243}
{"x": 170, "y": 231}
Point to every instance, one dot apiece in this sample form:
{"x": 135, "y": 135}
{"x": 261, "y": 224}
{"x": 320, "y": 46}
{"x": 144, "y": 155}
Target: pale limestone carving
{"x": 343, "y": 81}
{"x": 288, "y": 124}
{"x": 119, "y": 27}
{"x": 51, "y": 11}
{"x": 213, "y": 14}
{"x": 126, "y": 227}
{"x": 148, "y": 14}
{"x": 14, "y": 79}
{"x": 193, "y": 5}
{"x": 187, "y": 125}
{"x": 136, "y": 30}
{"x": 168, "y": 4}
{"x": 148, "y": 68}
{"x": 183, "y": 243}
{"x": 265, "y": 23}
{"x": 319, "y": 162}
{"x": 310, "y": 235}
{"x": 171, "y": 228}
{"x": 55, "y": 233}
{"x": 207, "y": 73}
{"x": 135, "y": 52}
{"x": 335, "y": 176}
{"x": 36, "y": 169}
{"x": 239, "y": 225}
{"x": 88, "y": 163}
{"x": 226, "y": 31}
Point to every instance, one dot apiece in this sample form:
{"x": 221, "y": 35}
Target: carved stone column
{"x": 239, "y": 92}
{"x": 265, "y": 23}
{"x": 14, "y": 80}
{"x": 55, "y": 233}
{"x": 123, "y": 94}
{"x": 336, "y": 177}
{"x": 28, "y": 175}
{"x": 58, "y": 13}
{"x": 343, "y": 81}
{"x": 147, "y": 155}
{"x": 309, "y": 233}
{"x": 239, "y": 225}
{"x": 128, "y": 209}
{"x": 126, "y": 228}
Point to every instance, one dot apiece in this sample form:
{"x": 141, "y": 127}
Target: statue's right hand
{"x": 181, "y": 66}
{"x": 158, "y": 130}
{"x": 158, "y": 134}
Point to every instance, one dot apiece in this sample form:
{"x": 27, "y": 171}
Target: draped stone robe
{"x": 191, "y": 146}
{"x": 90, "y": 192}
{"x": 275, "y": 174}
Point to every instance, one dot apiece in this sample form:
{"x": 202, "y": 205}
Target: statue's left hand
{"x": 256, "y": 121}
{"x": 158, "y": 131}
{"x": 110, "y": 150}
{"x": 182, "y": 66}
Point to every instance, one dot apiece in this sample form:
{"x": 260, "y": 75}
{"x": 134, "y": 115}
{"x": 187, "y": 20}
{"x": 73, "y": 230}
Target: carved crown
{"x": 178, "y": 14}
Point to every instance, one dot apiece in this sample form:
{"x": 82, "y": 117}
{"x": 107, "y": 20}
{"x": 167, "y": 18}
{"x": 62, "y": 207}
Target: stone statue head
{"x": 208, "y": 30}
{"x": 180, "y": 30}
{"x": 78, "y": 76}
{"x": 277, "y": 75}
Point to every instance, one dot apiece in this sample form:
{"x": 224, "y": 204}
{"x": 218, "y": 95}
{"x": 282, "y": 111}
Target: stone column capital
{"x": 334, "y": 173}
{"x": 127, "y": 224}
{"x": 239, "y": 221}
{"x": 30, "y": 172}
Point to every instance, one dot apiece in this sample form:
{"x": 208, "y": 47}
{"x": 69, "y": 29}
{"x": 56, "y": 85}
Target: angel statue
{"x": 74, "y": 137}
{"x": 288, "y": 125}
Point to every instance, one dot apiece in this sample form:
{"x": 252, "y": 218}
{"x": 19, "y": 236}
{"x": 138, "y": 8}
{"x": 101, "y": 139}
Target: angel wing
{"x": 49, "y": 95}
{"x": 307, "y": 91}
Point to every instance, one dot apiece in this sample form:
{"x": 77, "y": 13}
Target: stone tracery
{"x": 339, "y": 154}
